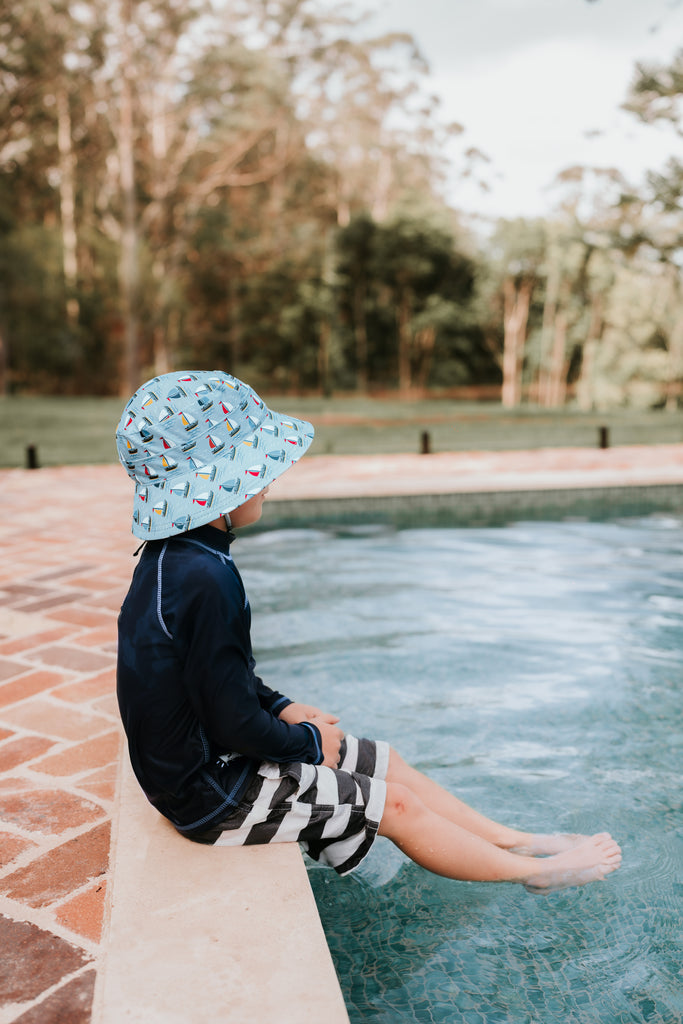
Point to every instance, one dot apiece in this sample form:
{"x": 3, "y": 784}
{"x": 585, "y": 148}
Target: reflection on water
{"x": 536, "y": 671}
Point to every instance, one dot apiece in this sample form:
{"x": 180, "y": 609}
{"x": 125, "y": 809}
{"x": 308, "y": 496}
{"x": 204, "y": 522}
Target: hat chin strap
{"x": 228, "y": 521}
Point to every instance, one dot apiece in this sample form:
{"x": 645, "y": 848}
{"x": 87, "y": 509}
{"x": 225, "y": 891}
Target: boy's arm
{"x": 269, "y": 699}
{"x": 284, "y": 707}
{"x": 224, "y": 690}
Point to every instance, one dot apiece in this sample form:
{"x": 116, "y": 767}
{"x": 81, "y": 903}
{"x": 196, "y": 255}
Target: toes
{"x": 606, "y": 844}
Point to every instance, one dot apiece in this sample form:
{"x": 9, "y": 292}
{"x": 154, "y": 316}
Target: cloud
{"x": 538, "y": 85}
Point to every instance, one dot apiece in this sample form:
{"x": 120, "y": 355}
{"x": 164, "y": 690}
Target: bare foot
{"x": 539, "y": 845}
{"x": 590, "y": 861}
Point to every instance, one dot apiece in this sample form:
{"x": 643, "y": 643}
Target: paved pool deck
{"x": 67, "y": 559}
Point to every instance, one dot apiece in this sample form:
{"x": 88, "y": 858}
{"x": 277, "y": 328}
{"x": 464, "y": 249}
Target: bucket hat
{"x": 198, "y": 445}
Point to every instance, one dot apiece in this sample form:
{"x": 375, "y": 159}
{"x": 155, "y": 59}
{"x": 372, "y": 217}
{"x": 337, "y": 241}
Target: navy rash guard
{"x": 197, "y": 717}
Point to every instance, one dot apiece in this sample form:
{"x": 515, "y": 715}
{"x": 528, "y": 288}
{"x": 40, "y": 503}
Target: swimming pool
{"x": 536, "y": 671}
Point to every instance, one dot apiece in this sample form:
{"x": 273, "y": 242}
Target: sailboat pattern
{"x": 198, "y": 445}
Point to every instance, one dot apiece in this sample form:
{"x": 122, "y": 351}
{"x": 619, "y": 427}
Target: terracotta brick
{"x": 52, "y": 602}
{"x": 82, "y": 617}
{"x": 33, "y": 960}
{"x": 72, "y": 658}
{"x": 70, "y": 1004}
{"x": 71, "y": 570}
{"x": 51, "y": 811}
{"x": 27, "y": 643}
{"x": 113, "y": 600}
{"x": 11, "y": 846}
{"x": 107, "y": 705}
{"x": 54, "y": 718}
{"x": 106, "y": 638}
{"x": 12, "y": 593}
{"x": 121, "y": 580}
{"x": 62, "y": 870}
{"x": 16, "y": 784}
{"x": 94, "y": 753}
{"x": 8, "y": 669}
{"x": 21, "y": 750}
{"x": 100, "y": 582}
{"x": 84, "y": 913}
{"x": 28, "y": 686}
{"x": 101, "y": 783}
{"x": 88, "y": 689}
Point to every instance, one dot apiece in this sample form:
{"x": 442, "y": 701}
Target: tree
{"x": 173, "y": 175}
{"x": 49, "y": 56}
{"x": 405, "y": 288}
{"x": 507, "y": 294}
{"x": 656, "y": 96}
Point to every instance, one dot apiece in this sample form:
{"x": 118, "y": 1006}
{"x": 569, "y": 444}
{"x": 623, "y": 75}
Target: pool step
{"x": 197, "y": 933}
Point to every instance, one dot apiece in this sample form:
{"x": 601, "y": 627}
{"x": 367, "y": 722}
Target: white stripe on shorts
{"x": 333, "y": 813}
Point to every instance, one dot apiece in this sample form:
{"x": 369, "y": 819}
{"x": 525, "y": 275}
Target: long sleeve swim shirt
{"x": 197, "y": 717}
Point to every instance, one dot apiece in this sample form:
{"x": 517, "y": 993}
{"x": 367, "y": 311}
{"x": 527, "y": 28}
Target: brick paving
{"x": 66, "y": 562}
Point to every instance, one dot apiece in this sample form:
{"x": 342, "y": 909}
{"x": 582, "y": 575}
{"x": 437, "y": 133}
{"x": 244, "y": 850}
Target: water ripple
{"x": 535, "y": 670}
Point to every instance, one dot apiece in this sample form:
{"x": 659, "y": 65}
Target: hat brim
{"x": 203, "y": 492}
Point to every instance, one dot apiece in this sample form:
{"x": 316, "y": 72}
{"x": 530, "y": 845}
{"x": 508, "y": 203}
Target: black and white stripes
{"x": 334, "y": 813}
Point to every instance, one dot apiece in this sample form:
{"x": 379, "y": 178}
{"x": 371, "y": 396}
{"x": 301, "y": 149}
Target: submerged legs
{"x": 444, "y": 835}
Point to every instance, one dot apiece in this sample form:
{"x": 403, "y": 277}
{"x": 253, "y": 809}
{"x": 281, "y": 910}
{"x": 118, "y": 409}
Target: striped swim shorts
{"x": 334, "y": 813}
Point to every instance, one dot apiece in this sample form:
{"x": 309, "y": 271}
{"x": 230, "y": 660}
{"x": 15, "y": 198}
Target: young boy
{"x": 226, "y": 759}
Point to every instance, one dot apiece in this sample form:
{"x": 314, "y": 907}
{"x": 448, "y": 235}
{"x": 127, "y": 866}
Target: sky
{"x": 537, "y": 85}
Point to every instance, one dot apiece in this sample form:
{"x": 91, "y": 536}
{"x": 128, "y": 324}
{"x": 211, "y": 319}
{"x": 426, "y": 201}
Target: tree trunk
{"x": 3, "y": 364}
{"x": 324, "y": 358}
{"x": 128, "y": 264}
{"x": 162, "y": 363}
{"x": 325, "y": 331}
{"x": 67, "y": 202}
{"x": 161, "y": 356}
{"x": 425, "y": 339}
{"x": 585, "y": 388}
{"x": 557, "y": 376}
{"x": 549, "y": 313}
{"x": 404, "y": 343}
{"x": 516, "y": 316}
{"x": 360, "y": 331}
{"x": 675, "y": 362}
{"x": 234, "y": 337}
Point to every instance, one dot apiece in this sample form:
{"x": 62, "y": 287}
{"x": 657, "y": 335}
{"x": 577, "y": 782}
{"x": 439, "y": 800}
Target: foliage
{"x": 404, "y": 279}
{"x": 257, "y": 184}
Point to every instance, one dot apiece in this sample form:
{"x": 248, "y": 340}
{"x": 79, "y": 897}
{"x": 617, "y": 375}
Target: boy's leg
{"x": 443, "y": 803}
{"x": 444, "y": 847}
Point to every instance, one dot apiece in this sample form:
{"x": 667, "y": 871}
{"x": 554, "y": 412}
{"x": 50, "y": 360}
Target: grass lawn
{"x": 81, "y": 430}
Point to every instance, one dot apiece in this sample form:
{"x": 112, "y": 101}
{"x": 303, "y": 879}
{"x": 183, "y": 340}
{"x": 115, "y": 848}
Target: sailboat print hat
{"x": 198, "y": 445}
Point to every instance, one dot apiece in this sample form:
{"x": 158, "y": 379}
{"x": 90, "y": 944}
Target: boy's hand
{"x": 295, "y": 713}
{"x": 331, "y": 738}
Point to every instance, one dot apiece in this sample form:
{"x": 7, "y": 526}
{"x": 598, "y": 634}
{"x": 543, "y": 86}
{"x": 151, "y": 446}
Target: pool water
{"x": 535, "y": 670}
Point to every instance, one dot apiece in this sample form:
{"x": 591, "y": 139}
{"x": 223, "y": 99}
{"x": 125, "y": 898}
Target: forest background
{"x": 258, "y": 185}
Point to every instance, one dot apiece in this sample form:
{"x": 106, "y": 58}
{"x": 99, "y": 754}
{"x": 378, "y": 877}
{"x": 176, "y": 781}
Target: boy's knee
{"x": 400, "y": 801}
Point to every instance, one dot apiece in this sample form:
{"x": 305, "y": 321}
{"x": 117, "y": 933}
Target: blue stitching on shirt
{"x": 205, "y": 744}
{"x": 314, "y": 731}
{"x": 228, "y": 802}
{"x": 159, "y": 615}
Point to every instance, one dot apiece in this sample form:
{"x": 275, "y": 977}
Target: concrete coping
{"x": 198, "y": 933}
